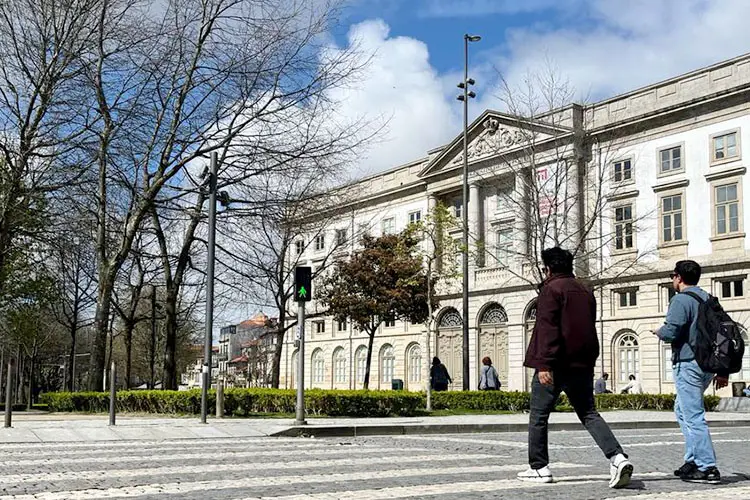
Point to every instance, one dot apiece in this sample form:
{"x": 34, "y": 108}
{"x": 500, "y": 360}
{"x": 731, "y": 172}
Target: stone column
{"x": 476, "y": 236}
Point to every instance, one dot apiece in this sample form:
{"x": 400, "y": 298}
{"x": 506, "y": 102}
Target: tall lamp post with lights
{"x": 468, "y": 94}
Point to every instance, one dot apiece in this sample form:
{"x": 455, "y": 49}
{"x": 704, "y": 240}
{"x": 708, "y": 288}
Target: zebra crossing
{"x": 449, "y": 466}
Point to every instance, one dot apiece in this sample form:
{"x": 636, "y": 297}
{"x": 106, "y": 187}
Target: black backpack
{"x": 718, "y": 344}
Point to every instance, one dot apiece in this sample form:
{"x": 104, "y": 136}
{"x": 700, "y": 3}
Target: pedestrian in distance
{"x": 600, "y": 387}
{"x": 488, "y": 378}
{"x": 563, "y": 351}
{"x": 633, "y": 387}
{"x": 680, "y": 329}
{"x": 439, "y": 376}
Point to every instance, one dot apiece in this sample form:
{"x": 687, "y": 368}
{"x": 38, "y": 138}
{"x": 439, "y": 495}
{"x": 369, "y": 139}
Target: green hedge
{"x": 243, "y": 402}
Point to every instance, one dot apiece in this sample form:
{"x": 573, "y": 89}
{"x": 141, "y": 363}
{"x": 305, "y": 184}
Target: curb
{"x": 416, "y": 429}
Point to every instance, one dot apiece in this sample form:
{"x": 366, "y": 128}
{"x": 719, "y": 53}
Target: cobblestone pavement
{"x": 434, "y": 466}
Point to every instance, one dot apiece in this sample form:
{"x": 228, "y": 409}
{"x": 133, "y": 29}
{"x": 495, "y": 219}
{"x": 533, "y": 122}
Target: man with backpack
{"x": 705, "y": 347}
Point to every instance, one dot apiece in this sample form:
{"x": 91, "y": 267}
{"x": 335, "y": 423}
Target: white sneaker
{"x": 542, "y": 475}
{"x": 620, "y": 471}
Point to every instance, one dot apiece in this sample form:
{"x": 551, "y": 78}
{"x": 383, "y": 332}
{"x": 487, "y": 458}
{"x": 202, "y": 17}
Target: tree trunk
{"x": 152, "y": 353}
{"x": 169, "y": 379}
{"x": 129, "y": 327}
{"x": 71, "y": 364}
{"x": 99, "y": 347}
{"x": 371, "y": 335}
{"x": 30, "y": 400}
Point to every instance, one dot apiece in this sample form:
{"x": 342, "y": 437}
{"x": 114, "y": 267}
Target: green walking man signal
{"x": 302, "y": 284}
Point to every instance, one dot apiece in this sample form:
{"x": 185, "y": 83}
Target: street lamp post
{"x": 209, "y": 285}
{"x": 465, "y": 204}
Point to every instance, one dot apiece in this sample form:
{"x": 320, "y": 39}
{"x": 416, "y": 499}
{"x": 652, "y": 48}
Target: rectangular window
{"x": 341, "y": 325}
{"x": 299, "y": 247}
{"x": 340, "y": 369}
{"x": 390, "y": 322}
{"x": 725, "y": 146}
{"x": 731, "y": 289}
{"x": 628, "y": 298}
{"x": 320, "y": 327}
{"x": 415, "y": 216}
{"x": 667, "y": 359}
{"x": 363, "y": 230}
{"x": 727, "y": 209}
{"x": 671, "y": 218}
{"x": 458, "y": 206}
{"x": 624, "y": 227}
{"x": 504, "y": 196}
{"x": 341, "y": 237}
{"x": 320, "y": 242}
{"x": 504, "y": 247}
{"x": 389, "y": 225}
{"x": 623, "y": 170}
{"x": 670, "y": 159}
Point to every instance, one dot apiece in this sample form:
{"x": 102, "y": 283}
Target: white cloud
{"x": 402, "y": 91}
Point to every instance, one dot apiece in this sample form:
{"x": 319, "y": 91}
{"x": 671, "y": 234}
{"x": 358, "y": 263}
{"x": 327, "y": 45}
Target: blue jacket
{"x": 680, "y": 328}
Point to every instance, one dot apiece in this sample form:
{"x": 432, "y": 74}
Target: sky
{"x": 600, "y": 47}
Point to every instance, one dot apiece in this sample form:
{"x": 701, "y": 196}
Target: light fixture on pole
{"x": 468, "y": 94}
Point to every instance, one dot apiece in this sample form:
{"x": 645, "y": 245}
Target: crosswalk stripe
{"x": 213, "y": 455}
{"x": 264, "y": 481}
{"x": 242, "y": 467}
{"x": 128, "y": 444}
{"x": 715, "y": 493}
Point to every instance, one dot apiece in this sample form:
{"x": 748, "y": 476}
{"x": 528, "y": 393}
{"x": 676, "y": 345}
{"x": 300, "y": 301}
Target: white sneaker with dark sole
{"x": 621, "y": 470}
{"x": 530, "y": 475}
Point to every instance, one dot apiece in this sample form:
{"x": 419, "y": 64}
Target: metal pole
{"x": 112, "y": 393}
{"x": 300, "y": 420}
{"x": 209, "y": 285}
{"x": 9, "y": 394}
{"x": 220, "y": 399}
{"x": 465, "y": 217}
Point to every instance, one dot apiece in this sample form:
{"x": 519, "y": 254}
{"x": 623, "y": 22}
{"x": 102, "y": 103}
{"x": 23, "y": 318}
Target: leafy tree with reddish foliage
{"x": 384, "y": 279}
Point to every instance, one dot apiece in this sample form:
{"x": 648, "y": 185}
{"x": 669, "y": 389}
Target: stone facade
{"x": 633, "y": 183}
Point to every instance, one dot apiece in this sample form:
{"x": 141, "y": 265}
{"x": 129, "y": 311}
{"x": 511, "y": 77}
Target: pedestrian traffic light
{"x": 302, "y": 284}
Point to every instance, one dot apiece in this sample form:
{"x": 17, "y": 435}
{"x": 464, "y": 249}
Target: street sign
{"x": 302, "y": 284}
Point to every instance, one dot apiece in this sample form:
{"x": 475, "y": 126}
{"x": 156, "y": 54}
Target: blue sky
{"x": 599, "y": 48}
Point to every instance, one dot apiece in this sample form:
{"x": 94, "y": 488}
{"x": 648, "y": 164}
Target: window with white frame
{"x": 671, "y": 218}
{"x": 730, "y": 288}
{"x": 318, "y": 366}
{"x": 667, "y": 291}
{"x": 727, "y": 209}
{"x": 415, "y": 216}
{"x": 320, "y": 242}
{"x": 624, "y": 227}
{"x": 724, "y": 146}
{"x": 622, "y": 170}
{"x": 415, "y": 363}
{"x": 360, "y": 363}
{"x": 339, "y": 366}
{"x": 744, "y": 373}
{"x": 390, "y": 322}
{"x": 670, "y": 159}
{"x": 627, "y": 298}
{"x": 341, "y": 325}
{"x": 667, "y": 374}
{"x": 387, "y": 362}
{"x": 341, "y": 237}
{"x": 389, "y": 225}
{"x": 320, "y": 326}
{"x": 503, "y": 197}
{"x": 629, "y": 357}
{"x": 458, "y": 207}
{"x": 299, "y": 247}
{"x": 504, "y": 246}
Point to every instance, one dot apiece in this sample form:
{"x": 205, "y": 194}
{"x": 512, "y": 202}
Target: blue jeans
{"x": 691, "y": 382}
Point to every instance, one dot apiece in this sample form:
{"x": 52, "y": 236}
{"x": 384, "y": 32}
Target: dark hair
{"x": 605, "y": 375}
{"x": 557, "y": 260}
{"x": 632, "y": 377}
{"x": 689, "y": 271}
{"x": 487, "y": 361}
{"x": 435, "y": 360}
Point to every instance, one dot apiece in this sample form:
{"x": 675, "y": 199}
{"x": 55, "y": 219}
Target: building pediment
{"x": 493, "y": 134}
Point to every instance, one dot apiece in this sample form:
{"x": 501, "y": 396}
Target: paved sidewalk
{"x": 43, "y": 428}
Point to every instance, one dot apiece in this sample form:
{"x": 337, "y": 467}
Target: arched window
{"x": 360, "y": 362}
{"x": 493, "y": 314}
{"x": 414, "y": 357}
{"x": 628, "y": 356}
{"x": 318, "y": 366}
{"x": 450, "y": 319}
{"x": 387, "y": 362}
{"x": 293, "y": 369}
{"x": 744, "y": 373}
{"x": 339, "y": 365}
{"x": 531, "y": 314}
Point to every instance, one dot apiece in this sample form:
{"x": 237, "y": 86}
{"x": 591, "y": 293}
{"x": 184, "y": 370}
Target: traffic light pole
{"x": 300, "y": 420}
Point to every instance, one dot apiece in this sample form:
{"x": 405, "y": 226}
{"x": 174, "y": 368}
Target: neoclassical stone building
{"x": 632, "y": 183}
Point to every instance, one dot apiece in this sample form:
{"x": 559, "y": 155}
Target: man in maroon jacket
{"x": 563, "y": 351}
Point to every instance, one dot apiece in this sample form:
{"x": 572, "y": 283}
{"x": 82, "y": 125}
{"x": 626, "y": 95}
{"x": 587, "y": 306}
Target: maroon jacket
{"x": 565, "y": 333}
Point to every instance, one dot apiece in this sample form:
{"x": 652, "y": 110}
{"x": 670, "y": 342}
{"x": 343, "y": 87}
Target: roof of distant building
{"x": 239, "y": 359}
